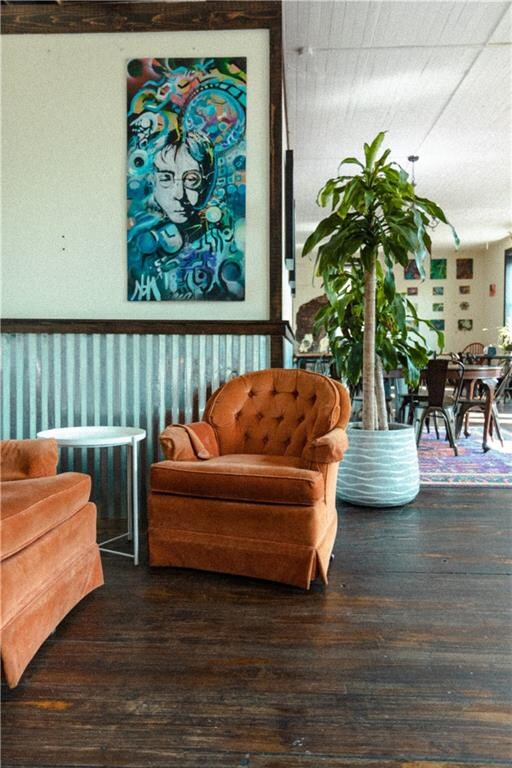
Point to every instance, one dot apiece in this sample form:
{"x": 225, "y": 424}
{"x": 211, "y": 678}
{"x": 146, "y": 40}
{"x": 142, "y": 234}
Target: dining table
{"x": 487, "y": 376}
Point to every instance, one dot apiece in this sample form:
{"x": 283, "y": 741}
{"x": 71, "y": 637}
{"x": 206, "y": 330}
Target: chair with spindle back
{"x": 473, "y": 353}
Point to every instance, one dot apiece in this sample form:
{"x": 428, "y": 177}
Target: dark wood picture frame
{"x": 507, "y": 284}
{"x": 289, "y": 212}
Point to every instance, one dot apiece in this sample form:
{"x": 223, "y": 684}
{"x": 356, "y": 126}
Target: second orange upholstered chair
{"x": 48, "y": 551}
{"x": 251, "y": 489}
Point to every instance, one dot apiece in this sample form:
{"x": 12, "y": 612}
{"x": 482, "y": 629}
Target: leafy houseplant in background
{"x": 376, "y": 222}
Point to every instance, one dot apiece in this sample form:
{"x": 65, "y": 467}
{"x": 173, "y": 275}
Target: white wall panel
{"x": 64, "y": 173}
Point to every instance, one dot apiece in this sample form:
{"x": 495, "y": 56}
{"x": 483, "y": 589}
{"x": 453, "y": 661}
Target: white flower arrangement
{"x": 505, "y": 337}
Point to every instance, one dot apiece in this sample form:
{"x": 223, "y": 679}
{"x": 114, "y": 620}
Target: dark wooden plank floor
{"x": 403, "y": 661}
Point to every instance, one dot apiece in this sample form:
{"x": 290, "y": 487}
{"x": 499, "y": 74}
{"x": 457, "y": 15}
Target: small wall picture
{"x": 492, "y": 289}
{"x": 438, "y": 269}
{"x": 438, "y": 290}
{"x": 411, "y": 271}
{"x": 464, "y": 305}
{"x": 412, "y": 291}
{"x": 465, "y": 325}
{"x": 438, "y": 307}
{"x": 464, "y": 269}
{"x": 438, "y": 324}
{"x": 464, "y": 289}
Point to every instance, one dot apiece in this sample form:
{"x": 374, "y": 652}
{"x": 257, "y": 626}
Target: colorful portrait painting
{"x": 186, "y": 179}
{"x": 411, "y": 271}
{"x": 438, "y": 290}
{"x": 438, "y": 269}
{"x": 464, "y": 269}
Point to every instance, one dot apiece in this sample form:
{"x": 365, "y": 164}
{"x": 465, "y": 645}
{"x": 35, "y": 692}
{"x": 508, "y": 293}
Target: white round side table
{"x": 105, "y": 437}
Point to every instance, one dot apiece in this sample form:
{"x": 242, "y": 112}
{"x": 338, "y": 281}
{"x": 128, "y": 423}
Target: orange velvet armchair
{"x": 251, "y": 489}
{"x": 49, "y": 556}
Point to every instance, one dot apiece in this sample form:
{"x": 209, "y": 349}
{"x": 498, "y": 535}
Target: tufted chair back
{"x": 274, "y": 412}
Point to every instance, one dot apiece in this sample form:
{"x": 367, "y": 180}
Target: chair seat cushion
{"x": 241, "y": 477}
{"x": 31, "y": 508}
{"x": 34, "y": 570}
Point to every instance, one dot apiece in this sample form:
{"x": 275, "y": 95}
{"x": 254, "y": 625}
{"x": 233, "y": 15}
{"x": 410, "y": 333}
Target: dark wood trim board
{"x": 275, "y": 328}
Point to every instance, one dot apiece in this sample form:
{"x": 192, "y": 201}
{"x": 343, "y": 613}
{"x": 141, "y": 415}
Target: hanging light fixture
{"x": 414, "y": 159}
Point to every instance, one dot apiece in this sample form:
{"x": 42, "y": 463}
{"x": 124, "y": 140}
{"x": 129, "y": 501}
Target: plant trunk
{"x": 369, "y": 409}
{"x": 380, "y": 395}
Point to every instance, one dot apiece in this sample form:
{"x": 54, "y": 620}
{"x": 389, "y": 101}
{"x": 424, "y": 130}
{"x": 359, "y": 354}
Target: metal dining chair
{"x": 436, "y": 402}
{"x": 414, "y": 398}
{"x": 467, "y": 404}
{"x": 417, "y": 397}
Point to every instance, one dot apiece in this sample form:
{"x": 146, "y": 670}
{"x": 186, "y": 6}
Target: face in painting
{"x": 178, "y": 183}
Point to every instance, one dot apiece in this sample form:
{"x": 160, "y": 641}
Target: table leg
{"x": 470, "y": 393}
{"x": 129, "y": 496}
{"x": 487, "y": 420}
{"x": 135, "y": 500}
{"x": 489, "y": 386}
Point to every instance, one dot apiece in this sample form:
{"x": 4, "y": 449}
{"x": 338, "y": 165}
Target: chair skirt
{"x": 278, "y": 542}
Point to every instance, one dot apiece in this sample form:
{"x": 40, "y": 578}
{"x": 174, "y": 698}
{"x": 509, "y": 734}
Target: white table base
{"x": 107, "y": 437}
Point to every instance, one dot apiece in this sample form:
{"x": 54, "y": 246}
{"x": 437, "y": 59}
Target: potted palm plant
{"x": 399, "y": 341}
{"x": 376, "y": 222}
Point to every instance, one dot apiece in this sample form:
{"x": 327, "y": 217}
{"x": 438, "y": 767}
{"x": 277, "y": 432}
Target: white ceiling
{"x": 436, "y": 75}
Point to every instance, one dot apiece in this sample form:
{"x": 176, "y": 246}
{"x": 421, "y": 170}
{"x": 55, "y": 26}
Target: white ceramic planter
{"x": 379, "y": 469}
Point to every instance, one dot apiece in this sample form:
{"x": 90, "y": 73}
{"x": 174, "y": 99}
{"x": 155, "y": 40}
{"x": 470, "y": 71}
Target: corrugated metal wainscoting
{"x": 143, "y": 380}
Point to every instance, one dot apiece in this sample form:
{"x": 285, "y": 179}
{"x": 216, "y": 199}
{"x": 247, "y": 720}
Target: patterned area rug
{"x": 439, "y": 465}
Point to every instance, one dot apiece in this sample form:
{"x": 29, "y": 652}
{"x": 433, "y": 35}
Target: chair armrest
{"x": 21, "y": 459}
{"x": 189, "y": 442}
{"x": 328, "y": 448}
